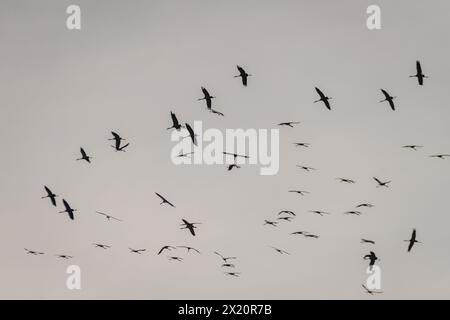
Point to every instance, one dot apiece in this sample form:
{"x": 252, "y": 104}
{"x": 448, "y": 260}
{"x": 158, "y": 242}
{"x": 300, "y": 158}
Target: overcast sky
{"x": 133, "y": 62}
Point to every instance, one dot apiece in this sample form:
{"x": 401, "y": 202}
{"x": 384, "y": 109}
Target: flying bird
{"x": 242, "y": 74}
{"x": 440, "y": 156}
{"x": 305, "y": 168}
{"x": 300, "y": 233}
{"x": 271, "y": 223}
{"x": 102, "y": 246}
{"x": 302, "y": 144}
{"x": 108, "y": 217}
{"x": 32, "y": 252}
{"x": 365, "y": 205}
{"x": 191, "y": 134}
{"x": 189, "y": 249}
{"x": 323, "y": 98}
{"x": 235, "y": 155}
{"x": 208, "y": 98}
{"x": 381, "y": 183}
{"x": 84, "y": 156}
{"x": 367, "y": 241}
{"x": 419, "y": 75}
{"x": 389, "y": 99}
{"x": 346, "y": 180}
{"x": 280, "y": 251}
{"x": 310, "y": 235}
{"x": 288, "y": 219}
{"x": 164, "y": 200}
{"x": 228, "y": 265}
{"x": 225, "y": 259}
{"x": 319, "y": 212}
{"x": 175, "y": 259}
{"x": 165, "y": 248}
{"x": 412, "y": 147}
{"x": 372, "y": 258}
{"x": 232, "y": 166}
{"x": 50, "y": 195}
{"x": 137, "y": 251}
{"x": 63, "y": 256}
{"x": 184, "y": 155}
{"x": 233, "y": 274}
{"x": 68, "y": 210}
{"x": 288, "y": 124}
{"x": 356, "y": 213}
{"x": 300, "y": 192}
{"x": 175, "y": 124}
{"x": 413, "y": 240}
{"x": 189, "y": 226}
{"x": 287, "y": 212}
{"x": 116, "y": 137}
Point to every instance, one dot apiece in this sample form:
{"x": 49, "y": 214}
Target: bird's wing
{"x": 83, "y": 153}
{"x": 191, "y": 229}
{"x": 174, "y": 119}
{"x": 418, "y": 67}
{"x": 320, "y": 93}
{"x": 191, "y": 133}
{"x": 48, "y": 190}
{"x": 411, "y": 244}
{"x": 377, "y": 180}
{"x": 115, "y": 135}
{"x": 66, "y": 205}
{"x": 386, "y": 95}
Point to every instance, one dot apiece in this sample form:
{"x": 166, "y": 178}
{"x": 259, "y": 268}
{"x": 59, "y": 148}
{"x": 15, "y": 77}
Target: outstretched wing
{"x": 191, "y": 133}
{"x": 174, "y": 119}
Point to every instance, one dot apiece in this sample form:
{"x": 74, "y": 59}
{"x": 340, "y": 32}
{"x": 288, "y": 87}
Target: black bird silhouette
{"x": 280, "y": 251}
{"x": 372, "y": 258}
{"x": 228, "y": 265}
{"x": 165, "y": 248}
{"x": 367, "y": 241}
{"x": 50, "y": 195}
{"x": 63, "y": 256}
{"x": 225, "y": 259}
{"x": 288, "y": 124}
{"x": 300, "y": 233}
{"x": 235, "y": 156}
{"x": 300, "y": 192}
{"x": 323, "y": 98}
{"x": 413, "y": 240}
{"x": 34, "y": 253}
{"x": 108, "y": 217}
{"x": 244, "y": 75}
{"x": 381, "y": 183}
{"x": 371, "y": 292}
{"x": 356, "y": 213}
{"x": 175, "y": 124}
{"x": 419, "y": 75}
{"x": 389, "y": 99}
{"x": 233, "y": 274}
{"x": 366, "y": 205}
{"x": 208, "y": 98}
{"x": 288, "y": 219}
{"x": 116, "y": 137}
{"x": 187, "y": 154}
{"x": 175, "y": 259}
{"x": 305, "y": 168}
{"x": 346, "y": 180}
{"x": 68, "y": 210}
{"x": 310, "y": 235}
{"x": 189, "y": 249}
{"x": 319, "y": 212}
{"x": 287, "y": 212}
{"x": 302, "y": 144}
{"x": 271, "y": 223}
{"x": 137, "y": 251}
{"x": 189, "y": 226}
{"x": 191, "y": 134}
{"x": 164, "y": 200}
{"x": 412, "y": 146}
{"x": 440, "y": 156}
{"x": 84, "y": 156}
{"x": 102, "y": 246}
{"x": 231, "y": 166}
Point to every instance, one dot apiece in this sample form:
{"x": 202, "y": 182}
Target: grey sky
{"x": 134, "y": 61}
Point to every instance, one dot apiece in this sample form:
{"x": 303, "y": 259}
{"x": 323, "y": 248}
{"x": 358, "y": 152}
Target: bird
{"x": 371, "y": 292}
{"x": 137, "y": 251}
{"x": 381, "y": 183}
{"x": 323, "y": 98}
{"x": 233, "y": 274}
{"x": 108, "y": 217}
{"x": 346, "y": 180}
{"x": 175, "y": 124}
{"x": 242, "y": 74}
{"x": 372, "y": 257}
{"x": 309, "y": 235}
{"x": 102, "y": 246}
{"x": 412, "y": 147}
{"x": 288, "y": 124}
{"x": 116, "y": 137}
{"x": 419, "y": 75}
{"x": 189, "y": 226}
{"x": 175, "y": 259}
{"x": 191, "y": 134}
{"x": 68, "y": 210}
{"x": 235, "y": 155}
{"x": 287, "y": 212}
{"x": 356, "y": 213}
{"x": 306, "y": 168}
{"x": 164, "y": 200}
{"x": 63, "y": 256}
{"x": 367, "y": 241}
{"x": 189, "y": 249}
{"x": 182, "y": 155}
{"x": 413, "y": 240}
{"x": 288, "y": 219}
{"x": 280, "y": 251}
{"x": 165, "y": 248}
{"x": 270, "y": 223}
{"x": 389, "y": 99}
{"x": 300, "y": 233}
{"x": 117, "y": 146}
{"x": 208, "y": 98}
{"x": 366, "y": 205}
{"x": 440, "y": 156}
{"x": 231, "y": 166}
{"x": 34, "y": 253}
{"x": 225, "y": 259}
{"x": 300, "y": 192}
{"x": 50, "y": 195}
{"x": 84, "y": 156}
{"x": 228, "y": 265}
{"x": 319, "y": 212}
{"x": 302, "y": 144}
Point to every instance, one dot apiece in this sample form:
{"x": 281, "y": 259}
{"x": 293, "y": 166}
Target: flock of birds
{"x": 282, "y": 216}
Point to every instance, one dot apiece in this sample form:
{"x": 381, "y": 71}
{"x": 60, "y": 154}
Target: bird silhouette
{"x": 300, "y": 192}
{"x": 365, "y": 205}
{"x": 372, "y": 259}
{"x": 116, "y": 137}
{"x": 300, "y": 233}
{"x": 310, "y": 235}
{"x": 50, "y": 195}
{"x": 165, "y": 248}
{"x": 63, "y": 256}
{"x": 68, "y": 210}
{"x": 389, "y": 99}
{"x": 189, "y": 226}
{"x": 413, "y": 240}
{"x": 101, "y": 246}
{"x": 164, "y": 200}
{"x": 287, "y": 212}
{"x": 288, "y": 219}
{"x": 235, "y": 155}
{"x": 346, "y": 180}
{"x": 233, "y": 274}
{"x": 242, "y": 74}
{"x": 34, "y": 253}
{"x": 381, "y": 183}
{"x": 419, "y": 75}
{"x": 232, "y": 166}
{"x": 228, "y": 265}
{"x": 440, "y": 156}
{"x": 280, "y": 251}
{"x": 107, "y": 216}
{"x": 191, "y": 134}
{"x": 184, "y": 155}
{"x": 367, "y": 241}
{"x": 175, "y": 259}
{"x": 137, "y": 251}
{"x": 305, "y": 168}
{"x": 84, "y": 156}
{"x": 175, "y": 124}
{"x": 323, "y": 98}
{"x": 288, "y": 124}
{"x": 319, "y": 212}
{"x": 302, "y": 144}
{"x": 270, "y": 223}
{"x": 208, "y": 98}
{"x": 225, "y": 259}
{"x": 355, "y": 213}
{"x": 189, "y": 249}
{"x": 412, "y": 147}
